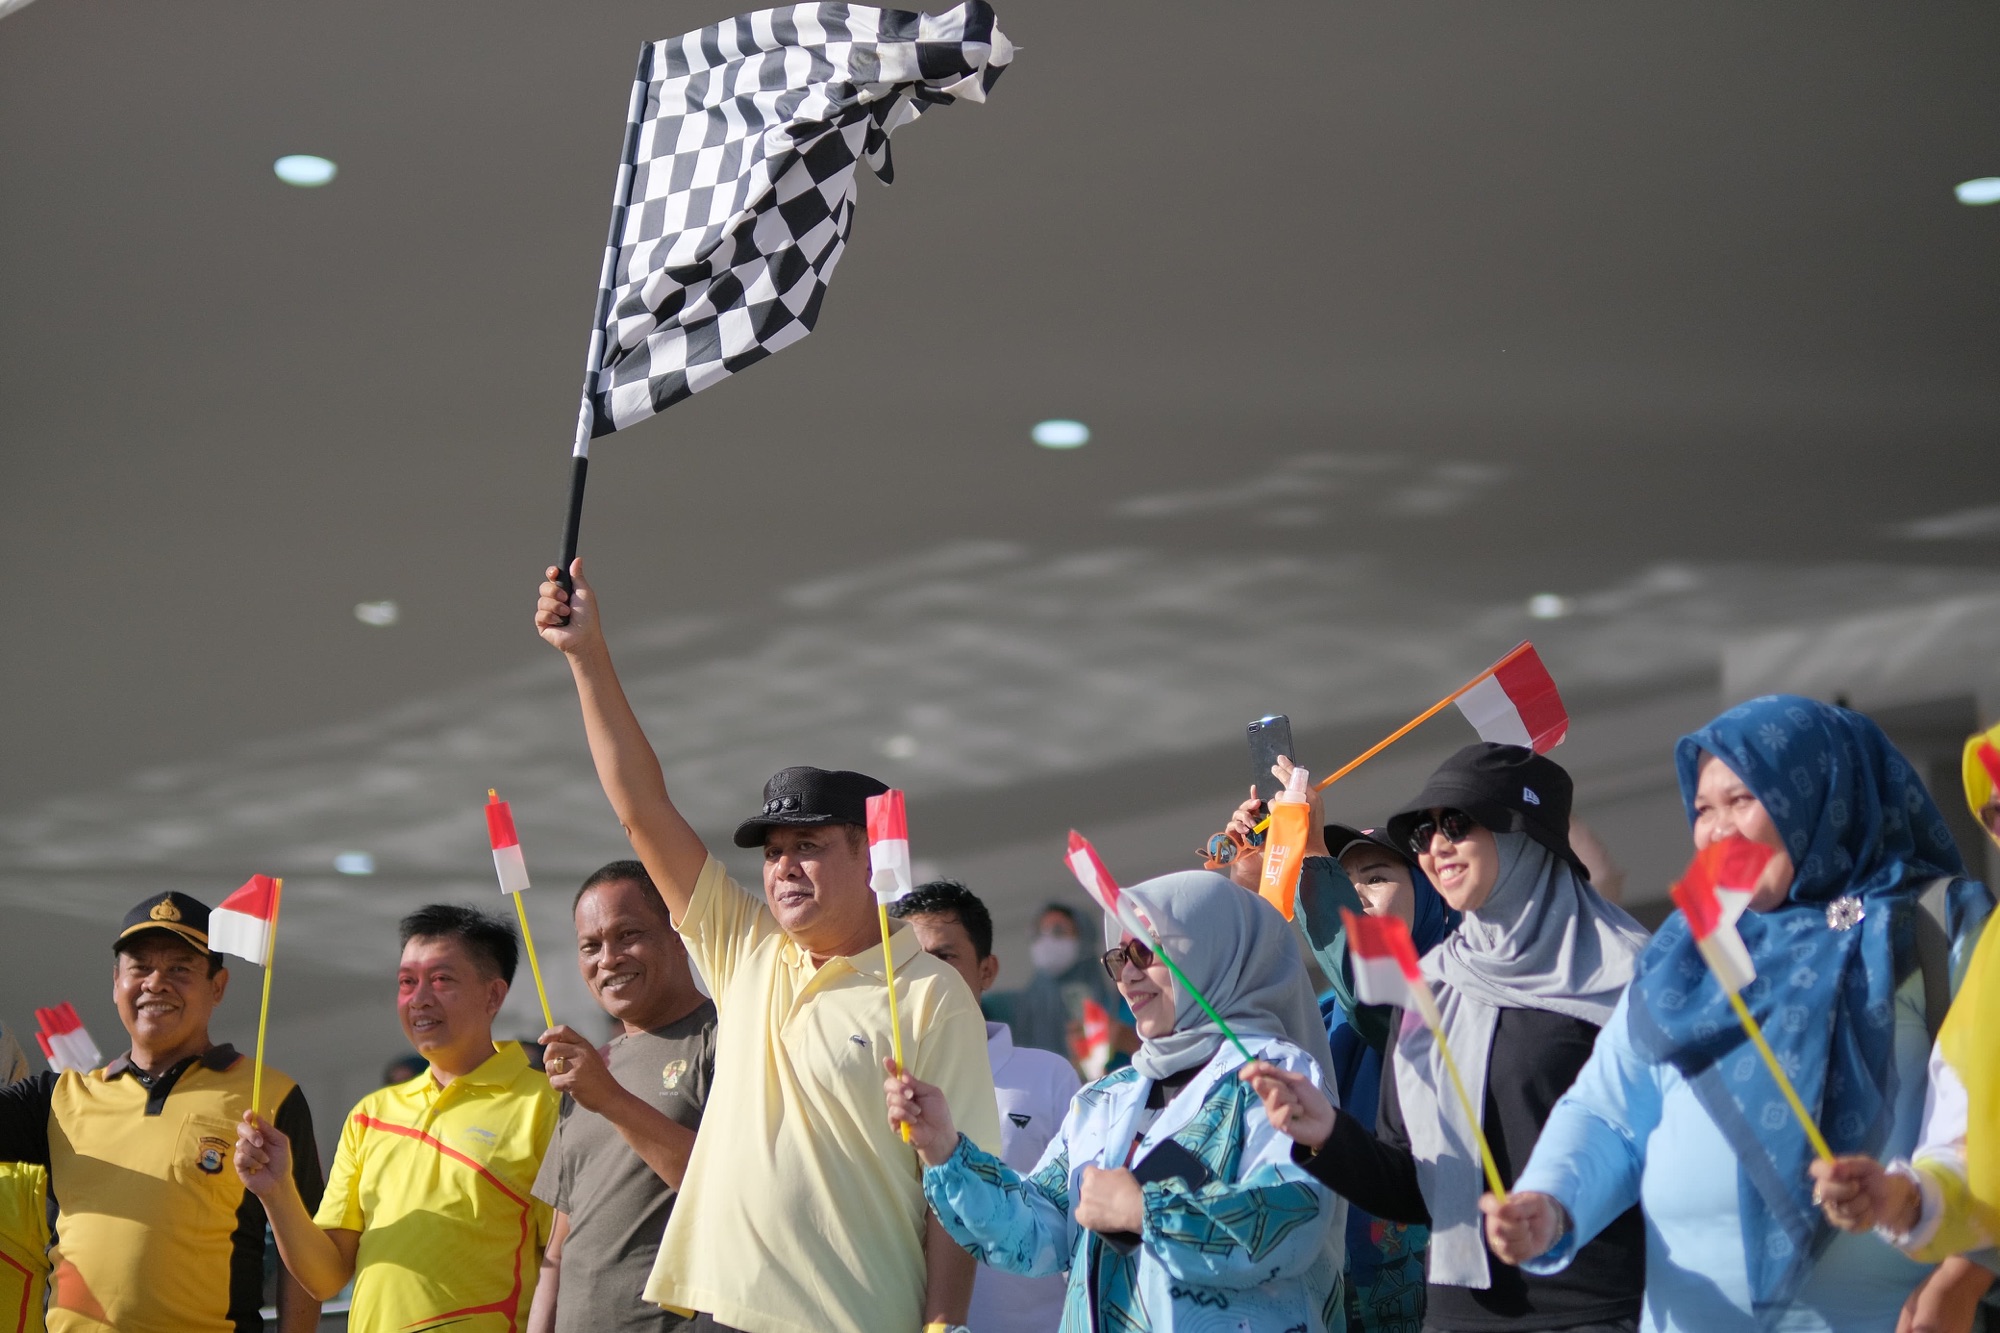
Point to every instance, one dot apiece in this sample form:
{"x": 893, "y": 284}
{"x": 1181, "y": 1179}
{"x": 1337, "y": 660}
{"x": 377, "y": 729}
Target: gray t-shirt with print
{"x": 617, "y": 1207}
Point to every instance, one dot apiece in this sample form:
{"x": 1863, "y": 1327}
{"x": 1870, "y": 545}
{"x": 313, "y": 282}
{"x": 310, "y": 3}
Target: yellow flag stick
{"x": 1749, "y": 1023}
{"x": 895, "y": 1024}
{"x": 264, "y": 1010}
{"x": 1427, "y": 1006}
{"x": 534, "y": 965}
{"x": 1393, "y": 737}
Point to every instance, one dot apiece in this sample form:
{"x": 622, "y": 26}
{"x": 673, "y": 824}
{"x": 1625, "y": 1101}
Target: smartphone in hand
{"x": 1269, "y": 737}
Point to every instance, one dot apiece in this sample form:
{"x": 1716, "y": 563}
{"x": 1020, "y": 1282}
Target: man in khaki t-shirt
{"x": 802, "y": 1211}
{"x": 629, "y": 1112}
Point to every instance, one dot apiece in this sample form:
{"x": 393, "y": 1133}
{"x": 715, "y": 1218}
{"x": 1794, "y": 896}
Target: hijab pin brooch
{"x": 1845, "y": 912}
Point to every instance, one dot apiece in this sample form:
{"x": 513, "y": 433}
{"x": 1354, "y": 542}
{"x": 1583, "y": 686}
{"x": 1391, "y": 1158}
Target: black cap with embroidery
{"x": 1344, "y": 838}
{"x": 809, "y": 796}
{"x": 175, "y": 913}
{"x": 1507, "y": 788}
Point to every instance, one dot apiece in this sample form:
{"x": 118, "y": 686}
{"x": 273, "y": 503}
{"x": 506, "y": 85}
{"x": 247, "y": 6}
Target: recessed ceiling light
{"x": 1548, "y": 606}
{"x": 1985, "y": 190}
{"x": 376, "y": 613}
{"x": 1060, "y": 434}
{"x": 303, "y": 169}
{"x": 354, "y": 863}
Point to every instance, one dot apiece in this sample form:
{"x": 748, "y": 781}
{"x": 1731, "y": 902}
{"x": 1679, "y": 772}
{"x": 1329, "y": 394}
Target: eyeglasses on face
{"x": 1456, "y": 826}
{"x": 1137, "y": 953}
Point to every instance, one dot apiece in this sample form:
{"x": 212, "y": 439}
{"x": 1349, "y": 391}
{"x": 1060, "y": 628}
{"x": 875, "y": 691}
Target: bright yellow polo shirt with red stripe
{"x": 439, "y": 1183}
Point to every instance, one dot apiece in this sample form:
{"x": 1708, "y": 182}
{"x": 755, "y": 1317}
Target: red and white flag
{"x": 1091, "y": 1049}
{"x": 1385, "y": 959}
{"x": 64, "y": 1041}
{"x": 245, "y": 923}
{"x": 507, "y": 862}
{"x": 889, "y": 872}
{"x": 1712, "y": 895}
{"x": 1516, "y": 703}
{"x": 1088, "y": 867}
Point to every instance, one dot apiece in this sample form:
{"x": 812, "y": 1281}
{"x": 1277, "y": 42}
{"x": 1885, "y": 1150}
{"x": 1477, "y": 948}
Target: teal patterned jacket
{"x": 1257, "y": 1248}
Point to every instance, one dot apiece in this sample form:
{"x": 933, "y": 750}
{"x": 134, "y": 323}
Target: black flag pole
{"x": 586, "y": 417}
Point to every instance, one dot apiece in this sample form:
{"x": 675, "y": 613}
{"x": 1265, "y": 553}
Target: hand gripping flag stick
{"x": 736, "y": 189}
{"x": 246, "y": 924}
{"x": 1084, "y": 862}
{"x": 1386, "y": 971}
{"x": 513, "y": 872}
{"x": 1712, "y": 895}
{"x": 1512, "y": 702}
{"x": 891, "y": 877}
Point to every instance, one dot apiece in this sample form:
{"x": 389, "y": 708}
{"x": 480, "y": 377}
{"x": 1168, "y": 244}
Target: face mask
{"x": 1053, "y": 955}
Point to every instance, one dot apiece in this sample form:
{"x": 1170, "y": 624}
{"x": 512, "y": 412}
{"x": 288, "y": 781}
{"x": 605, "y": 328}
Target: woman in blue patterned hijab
{"x": 1839, "y": 994}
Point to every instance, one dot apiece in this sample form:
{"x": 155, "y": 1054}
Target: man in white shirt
{"x": 1034, "y": 1088}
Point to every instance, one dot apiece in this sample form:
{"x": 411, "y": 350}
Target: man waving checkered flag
{"x": 736, "y": 194}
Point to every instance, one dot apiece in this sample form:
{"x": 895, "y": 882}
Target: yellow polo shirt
{"x": 802, "y": 1211}
{"x": 156, "y": 1233}
{"x": 437, "y": 1181}
{"x": 24, "y": 1246}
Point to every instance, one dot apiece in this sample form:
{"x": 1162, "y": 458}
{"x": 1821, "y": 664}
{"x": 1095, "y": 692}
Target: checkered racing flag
{"x": 736, "y": 192}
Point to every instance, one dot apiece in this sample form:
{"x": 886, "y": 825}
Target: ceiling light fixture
{"x": 1060, "y": 434}
{"x": 304, "y": 170}
{"x": 377, "y": 613}
{"x": 354, "y": 863}
{"x": 1548, "y": 606}
{"x": 1985, "y": 190}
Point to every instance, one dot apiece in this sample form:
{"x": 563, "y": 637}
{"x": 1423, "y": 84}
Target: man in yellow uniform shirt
{"x": 802, "y": 1211}
{"x": 24, "y": 1221}
{"x": 428, "y": 1208}
{"x": 155, "y": 1234}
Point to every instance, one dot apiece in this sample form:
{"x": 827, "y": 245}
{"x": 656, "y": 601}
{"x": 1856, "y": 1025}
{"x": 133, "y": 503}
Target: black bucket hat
{"x": 804, "y": 797}
{"x": 1507, "y": 788}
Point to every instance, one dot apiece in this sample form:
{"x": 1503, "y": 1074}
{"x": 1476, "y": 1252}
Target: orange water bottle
{"x": 1285, "y": 842}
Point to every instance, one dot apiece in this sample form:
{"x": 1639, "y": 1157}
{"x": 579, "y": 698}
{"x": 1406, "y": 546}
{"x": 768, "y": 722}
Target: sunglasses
{"x": 1456, "y": 825}
{"x": 1138, "y": 954}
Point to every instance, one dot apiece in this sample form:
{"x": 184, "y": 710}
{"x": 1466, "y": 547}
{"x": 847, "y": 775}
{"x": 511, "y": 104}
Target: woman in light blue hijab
{"x": 1673, "y": 1090}
{"x": 1166, "y": 1196}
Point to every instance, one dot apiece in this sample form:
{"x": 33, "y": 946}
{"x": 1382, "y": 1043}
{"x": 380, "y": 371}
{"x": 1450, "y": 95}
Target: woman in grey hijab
{"x": 1166, "y": 1196}
{"x": 1523, "y": 985}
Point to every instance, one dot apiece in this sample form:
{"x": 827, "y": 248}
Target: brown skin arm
{"x": 627, "y": 767}
{"x": 1948, "y": 1300}
{"x": 542, "y": 1314}
{"x": 298, "y": 1312}
{"x": 948, "y": 1274}
{"x": 662, "y": 1143}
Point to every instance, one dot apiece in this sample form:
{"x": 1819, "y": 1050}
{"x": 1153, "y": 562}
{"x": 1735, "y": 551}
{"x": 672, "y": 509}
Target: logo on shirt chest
{"x": 671, "y": 1076}
{"x": 211, "y": 1155}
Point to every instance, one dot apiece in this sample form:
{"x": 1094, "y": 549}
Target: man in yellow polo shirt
{"x": 428, "y": 1208}
{"x": 155, "y": 1233}
{"x": 801, "y": 1211}
{"x": 24, "y": 1221}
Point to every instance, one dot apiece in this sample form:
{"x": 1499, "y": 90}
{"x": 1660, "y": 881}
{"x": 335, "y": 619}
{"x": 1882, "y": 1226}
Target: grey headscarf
{"x": 1543, "y": 939}
{"x": 1243, "y": 955}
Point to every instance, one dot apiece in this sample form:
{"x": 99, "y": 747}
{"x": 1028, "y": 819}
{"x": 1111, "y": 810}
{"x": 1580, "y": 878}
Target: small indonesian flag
{"x": 245, "y": 923}
{"x": 1091, "y": 1049}
{"x": 64, "y": 1040}
{"x": 1712, "y": 895}
{"x": 889, "y": 872}
{"x": 1516, "y": 703}
{"x": 507, "y": 862}
{"x": 1088, "y": 867}
{"x": 1385, "y": 959}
